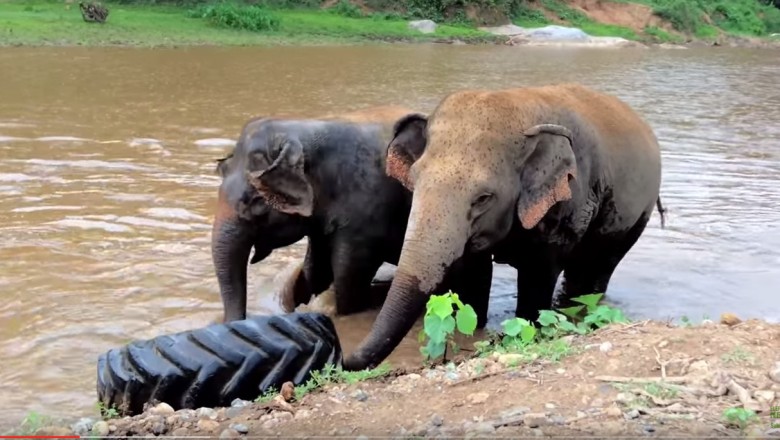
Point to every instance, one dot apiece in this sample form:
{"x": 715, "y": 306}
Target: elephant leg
{"x": 317, "y": 266}
{"x": 537, "y": 272}
{"x": 353, "y": 269}
{"x": 471, "y": 280}
{"x": 596, "y": 259}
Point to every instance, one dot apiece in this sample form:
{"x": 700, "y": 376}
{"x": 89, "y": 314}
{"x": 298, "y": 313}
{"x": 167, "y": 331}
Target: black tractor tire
{"x": 214, "y": 365}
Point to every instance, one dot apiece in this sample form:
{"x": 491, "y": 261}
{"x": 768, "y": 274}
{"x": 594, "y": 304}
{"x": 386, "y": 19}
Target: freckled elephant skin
{"x": 324, "y": 179}
{"x": 551, "y": 179}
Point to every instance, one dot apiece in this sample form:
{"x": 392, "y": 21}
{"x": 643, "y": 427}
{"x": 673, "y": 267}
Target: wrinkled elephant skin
{"x": 551, "y": 179}
{"x": 323, "y": 179}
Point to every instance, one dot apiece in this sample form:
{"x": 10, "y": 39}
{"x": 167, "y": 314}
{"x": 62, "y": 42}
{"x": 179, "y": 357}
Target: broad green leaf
{"x": 528, "y": 333}
{"x": 573, "y": 311}
{"x": 466, "y": 319}
{"x": 442, "y": 306}
{"x": 435, "y": 349}
{"x": 548, "y": 332}
{"x": 512, "y": 327}
{"x": 448, "y": 325}
{"x": 547, "y": 317}
{"x": 567, "y": 326}
{"x": 456, "y": 299}
{"x": 434, "y": 328}
{"x": 589, "y": 300}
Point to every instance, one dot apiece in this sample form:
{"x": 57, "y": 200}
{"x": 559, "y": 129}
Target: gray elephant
{"x": 551, "y": 179}
{"x": 323, "y": 179}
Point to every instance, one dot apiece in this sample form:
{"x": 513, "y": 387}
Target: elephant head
{"x": 264, "y": 201}
{"x": 474, "y": 166}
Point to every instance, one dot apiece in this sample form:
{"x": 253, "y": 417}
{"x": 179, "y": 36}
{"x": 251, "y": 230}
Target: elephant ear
{"x": 407, "y": 146}
{"x": 546, "y": 173}
{"x": 284, "y": 185}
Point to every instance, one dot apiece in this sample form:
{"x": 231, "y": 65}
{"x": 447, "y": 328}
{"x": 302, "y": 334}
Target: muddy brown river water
{"x": 107, "y": 185}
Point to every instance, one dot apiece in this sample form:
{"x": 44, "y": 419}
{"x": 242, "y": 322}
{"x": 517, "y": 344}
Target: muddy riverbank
{"x": 647, "y": 378}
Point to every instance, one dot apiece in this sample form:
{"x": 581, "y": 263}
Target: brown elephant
{"x": 551, "y": 179}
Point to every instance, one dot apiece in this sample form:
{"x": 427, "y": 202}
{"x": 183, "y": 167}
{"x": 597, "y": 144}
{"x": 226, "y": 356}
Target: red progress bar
{"x": 39, "y": 436}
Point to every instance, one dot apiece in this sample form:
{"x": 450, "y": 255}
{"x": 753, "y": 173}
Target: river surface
{"x": 107, "y": 186}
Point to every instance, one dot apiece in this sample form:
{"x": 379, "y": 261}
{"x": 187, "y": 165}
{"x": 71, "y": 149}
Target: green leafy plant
{"x": 739, "y": 417}
{"x": 596, "y": 315}
{"x": 106, "y": 413}
{"x": 439, "y": 324}
{"x": 254, "y": 18}
{"x": 331, "y": 374}
{"x": 346, "y": 9}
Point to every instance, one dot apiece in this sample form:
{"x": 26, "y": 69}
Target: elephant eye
{"x": 483, "y": 199}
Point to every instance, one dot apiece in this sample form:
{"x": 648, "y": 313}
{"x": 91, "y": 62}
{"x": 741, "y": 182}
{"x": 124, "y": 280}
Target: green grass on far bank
{"x": 54, "y": 22}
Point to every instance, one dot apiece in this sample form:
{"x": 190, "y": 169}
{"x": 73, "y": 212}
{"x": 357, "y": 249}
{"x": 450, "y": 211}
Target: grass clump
{"x": 242, "y": 17}
{"x": 702, "y": 18}
{"x": 330, "y": 375}
{"x": 739, "y": 417}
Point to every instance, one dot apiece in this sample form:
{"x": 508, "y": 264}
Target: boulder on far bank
{"x": 554, "y": 35}
{"x": 424, "y": 26}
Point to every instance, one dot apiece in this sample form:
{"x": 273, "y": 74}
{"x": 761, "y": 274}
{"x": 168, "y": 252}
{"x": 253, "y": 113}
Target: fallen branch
{"x": 624, "y": 328}
{"x": 660, "y": 362}
{"x": 480, "y": 377}
{"x": 623, "y": 379}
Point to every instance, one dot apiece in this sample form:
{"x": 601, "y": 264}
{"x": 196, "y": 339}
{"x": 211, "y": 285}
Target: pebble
{"x": 414, "y": 376}
{"x": 206, "y": 413}
{"x": 537, "y": 432}
{"x": 633, "y": 414}
{"x": 360, "y": 395}
{"x": 162, "y": 409}
{"x": 477, "y": 398}
{"x": 605, "y": 347}
{"x": 240, "y": 428}
{"x": 549, "y": 405}
{"x": 180, "y": 432}
{"x": 535, "y": 420}
{"x": 706, "y": 322}
{"x": 100, "y": 428}
{"x": 159, "y": 428}
{"x": 663, "y": 344}
{"x": 613, "y": 411}
{"x": 558, "y": 420}
{"x": 452, "y": 375}
{"x": 623, "y": 397}
{"x": 229, "y": 433}
{"x": 649, "y": 428}
{"x": 288, "y": 391}
{"x": 362, "y": 437}
{"x": 436, "y": 420}
{"x": 239, "y": 403}
{"x": 729, "y": 319}
{"x": 581, "y": 414}
{"x": 560, "y": 371}
{"x": 207, "y": 425}
{"x": 766, "y": 396}
{"x": 83, "y": 426}
{"x": 774, "y": 374}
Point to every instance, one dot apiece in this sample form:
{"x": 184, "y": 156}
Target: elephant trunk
{"x": 230, "y": 247}
{"x": 430, "y": 247}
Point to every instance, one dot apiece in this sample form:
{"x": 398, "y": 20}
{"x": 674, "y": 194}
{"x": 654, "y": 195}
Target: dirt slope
{"x": 708, "y": 369}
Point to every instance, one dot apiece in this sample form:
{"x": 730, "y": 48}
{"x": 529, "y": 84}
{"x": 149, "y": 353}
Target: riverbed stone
{"x": 239, "y": 403}
{"x": 162, "y": 409}
{"x": 207, "y": 425}
{"x": 477, "y": 398}
{"x": 82, "y": 426}
{"x": 180, "y": 432}
{"x": 240, "y": 428}
{"x": 100, "y": 428}
{"x": 423, "y": 26}
{"x": 535, "y": 420}
{"x": 229, "y": 433}
{"x": 208, "y": 413}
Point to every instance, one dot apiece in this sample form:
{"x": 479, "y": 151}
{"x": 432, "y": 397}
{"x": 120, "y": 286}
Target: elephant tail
{"x": 661, "y": 211}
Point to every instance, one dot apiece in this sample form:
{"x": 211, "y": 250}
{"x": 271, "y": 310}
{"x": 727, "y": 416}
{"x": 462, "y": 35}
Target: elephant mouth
{"x": 261, "y": 253}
